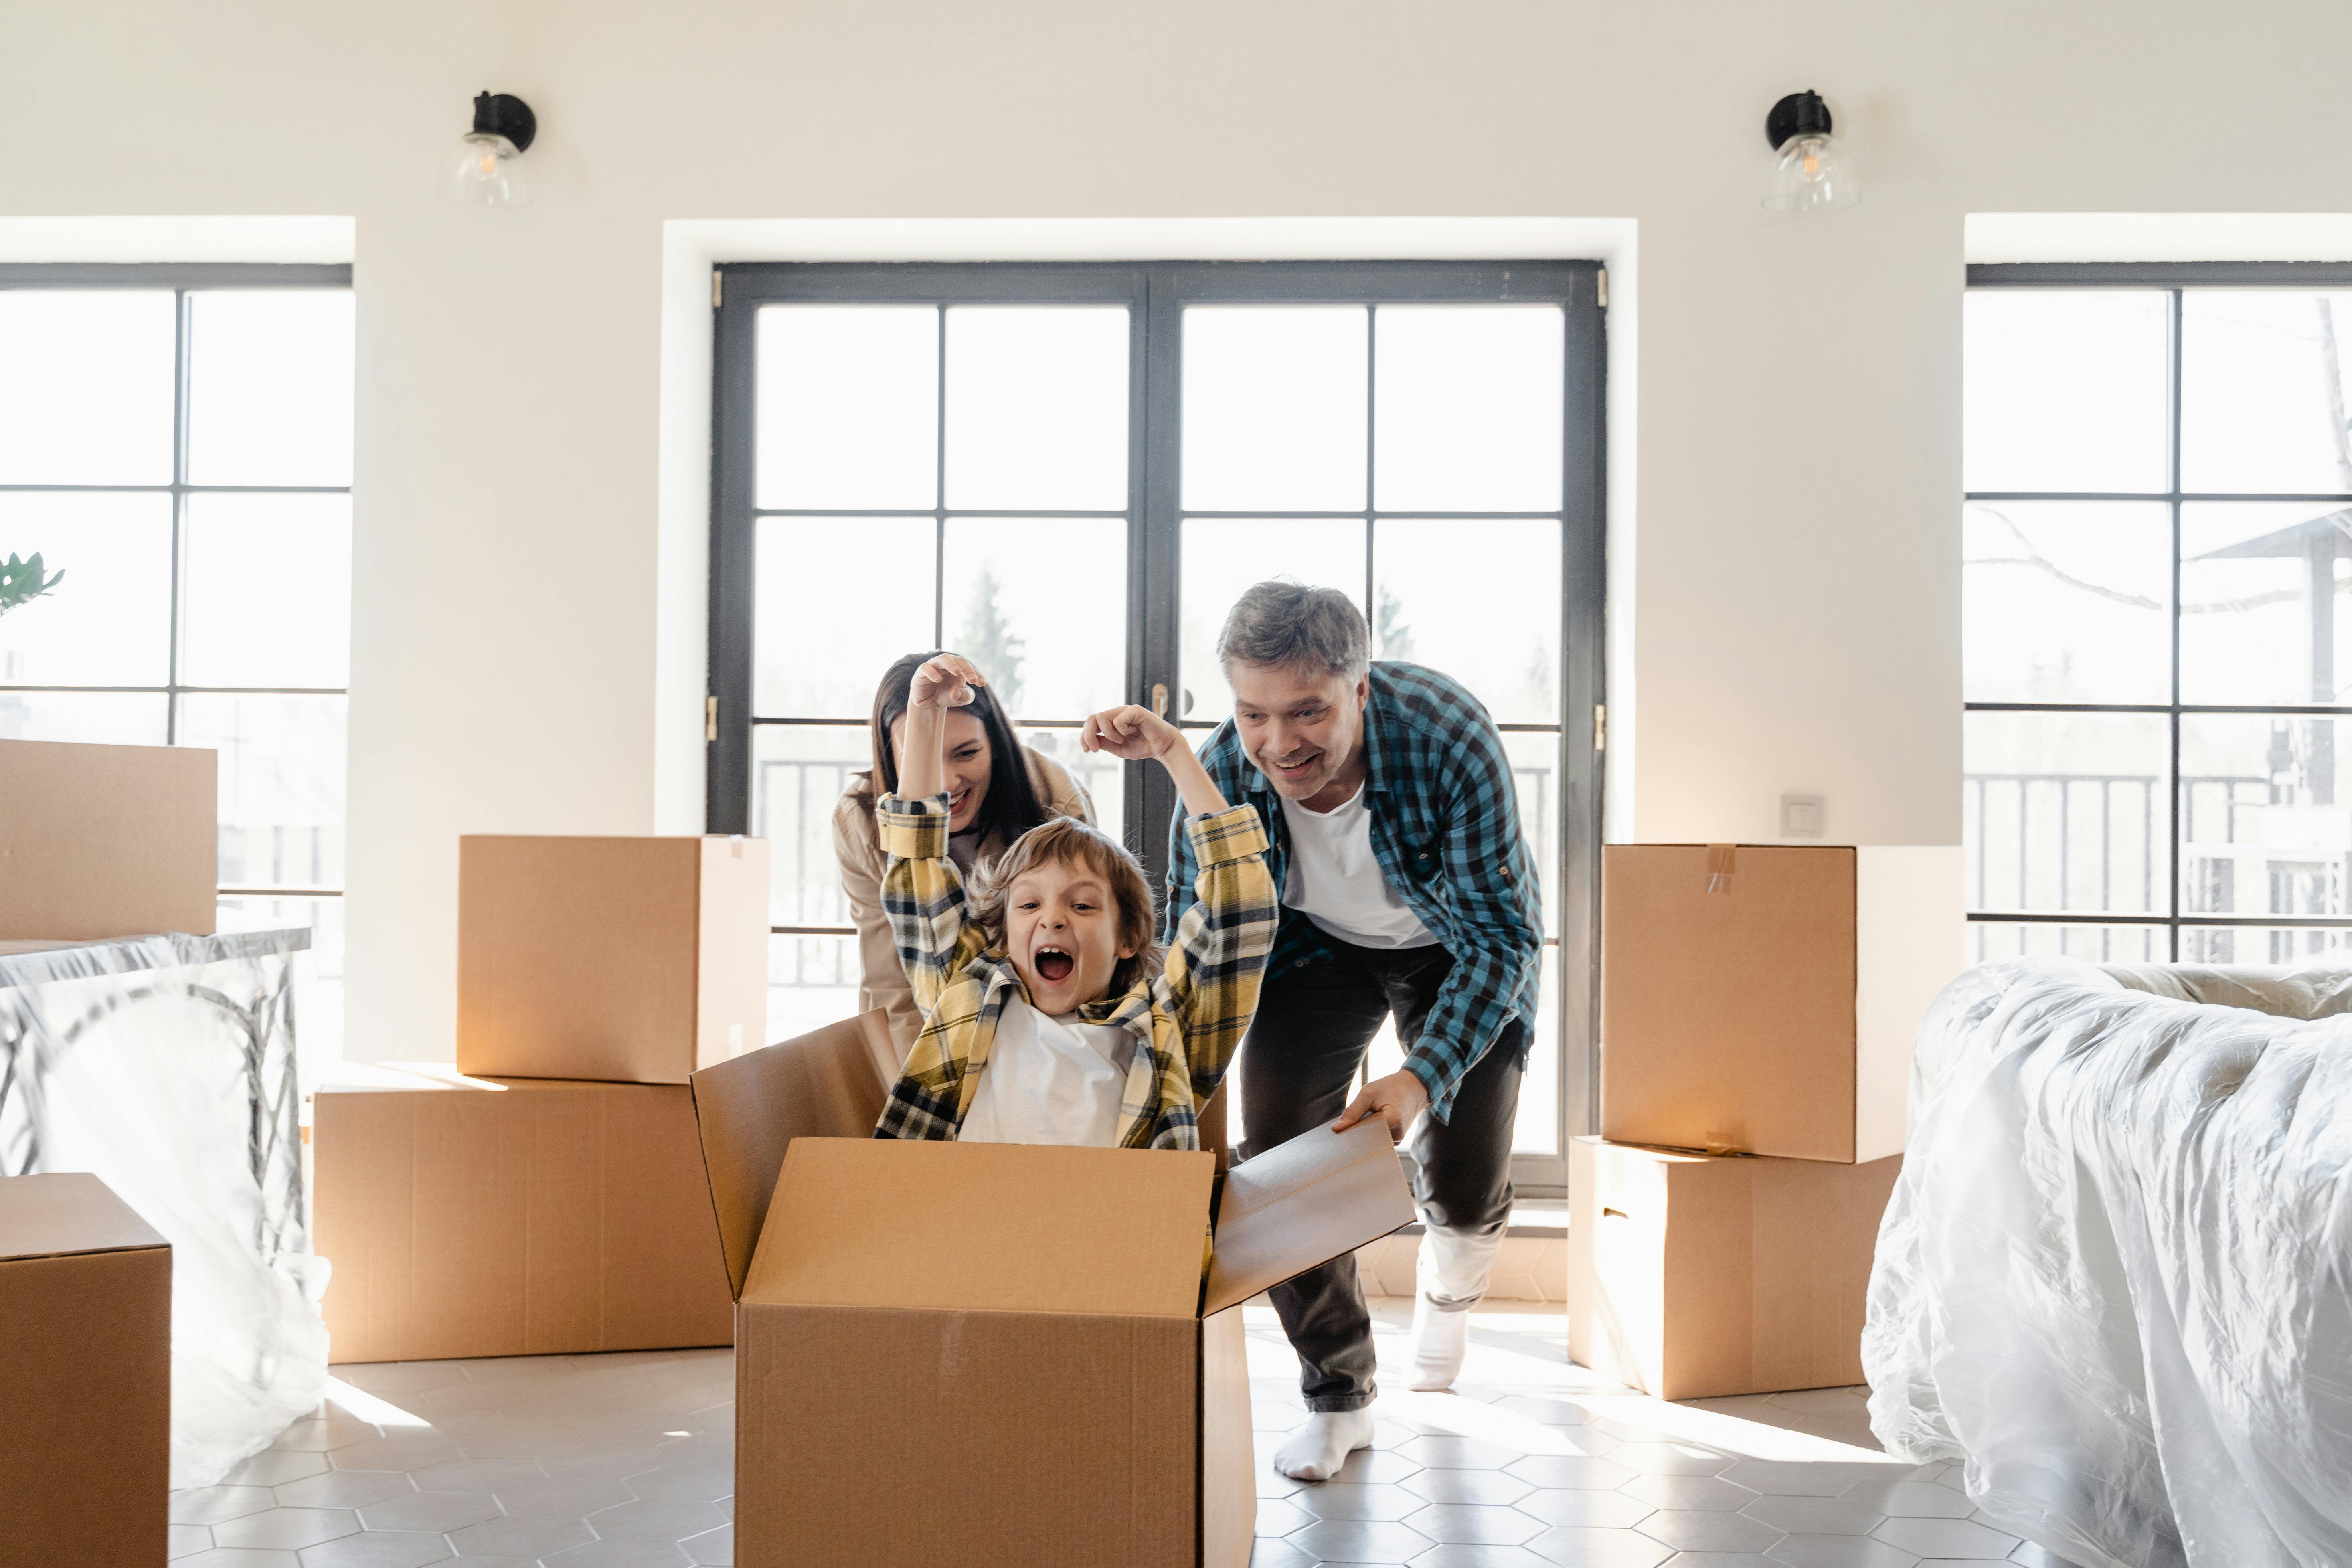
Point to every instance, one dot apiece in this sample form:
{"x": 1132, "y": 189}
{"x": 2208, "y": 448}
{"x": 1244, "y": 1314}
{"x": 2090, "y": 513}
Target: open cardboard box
{"x": 998, "y": 1354}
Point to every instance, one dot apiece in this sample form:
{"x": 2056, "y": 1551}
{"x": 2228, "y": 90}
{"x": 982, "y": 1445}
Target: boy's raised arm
{"x": 1213, "y": 965}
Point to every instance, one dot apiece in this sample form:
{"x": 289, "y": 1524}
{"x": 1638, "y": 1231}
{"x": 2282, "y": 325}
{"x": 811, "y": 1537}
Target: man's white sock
{"x": 1451, "y": 1272}
{"x": 1317, "y": 1450}
{"x": 1440, "y": 1340}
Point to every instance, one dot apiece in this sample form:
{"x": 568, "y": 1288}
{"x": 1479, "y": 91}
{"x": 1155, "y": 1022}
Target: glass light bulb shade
{"x": 1812, "y": 176}
{"x": 484, "y": 170}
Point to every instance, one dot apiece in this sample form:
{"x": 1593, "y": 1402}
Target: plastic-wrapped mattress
{"x": 165, "y": 1064}
{"x": 2116, "y": 1277}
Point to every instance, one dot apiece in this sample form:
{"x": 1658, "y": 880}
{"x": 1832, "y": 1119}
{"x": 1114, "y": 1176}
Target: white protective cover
{"x": 167, "y": 1065}
{"x": 2116, "y": 1277}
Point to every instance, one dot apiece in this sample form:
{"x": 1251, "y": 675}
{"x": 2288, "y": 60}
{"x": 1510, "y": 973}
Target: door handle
{"x": 1159, "y": 697}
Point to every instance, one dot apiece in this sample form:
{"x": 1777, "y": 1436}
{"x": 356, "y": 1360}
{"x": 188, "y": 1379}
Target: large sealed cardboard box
{"x": 628, "y": 959}
{"x": 996, "y": 1355}
{"x": 1695, "y": 1275}
{"x": 99, "y": 841}
{"x": 1763, "y": 999}
{"x": 85, "y": 1376}
{"x": 517, "y": 1216}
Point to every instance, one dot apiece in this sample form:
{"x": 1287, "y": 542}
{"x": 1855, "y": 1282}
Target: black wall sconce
{"x": 485, "y": 168}
{"x": 1809, "y": 174}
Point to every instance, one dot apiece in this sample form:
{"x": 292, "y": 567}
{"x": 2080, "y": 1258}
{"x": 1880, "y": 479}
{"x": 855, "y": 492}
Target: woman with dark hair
{"x": 990, "y": 803}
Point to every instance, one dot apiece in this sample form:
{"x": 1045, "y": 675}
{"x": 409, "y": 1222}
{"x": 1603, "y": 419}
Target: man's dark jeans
{"x": 1299, "y": 1066}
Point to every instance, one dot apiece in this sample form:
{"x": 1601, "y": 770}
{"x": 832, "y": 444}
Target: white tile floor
{"x": 626, "y": 1461}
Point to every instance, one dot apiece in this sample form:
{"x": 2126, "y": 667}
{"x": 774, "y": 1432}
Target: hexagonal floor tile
{"x": 210, "y": 1505}
{"x": 1474, "y": 1524}
{"x": 1574, "y": 1546}
{"x": 1691, "y": 1529}
{"x": 1929, "y": 1537}
{"x": 287, "y": 1529}
{"x": 1372, "y": 1499}
{"x": 1497, "y": 1487}
{"x": 1706, "y": 1492}
{"x": 1569, "y": 1470}
{"x": 1360, "y": 1541}
{"x": 1593, "y": 1507}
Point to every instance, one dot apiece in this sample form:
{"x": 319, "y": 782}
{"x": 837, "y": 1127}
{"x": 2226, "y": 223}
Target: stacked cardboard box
{"x": 85, "y": 1399}
{"x": 546, "y": 1195}
{"x": 1757, "y": 1006}
{"x": 106, "y": 841}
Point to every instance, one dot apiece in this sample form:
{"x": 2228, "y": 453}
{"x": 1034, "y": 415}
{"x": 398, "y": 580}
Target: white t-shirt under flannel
{"x": 1050, "y": 1080}
{"x": 1336, "y": 882}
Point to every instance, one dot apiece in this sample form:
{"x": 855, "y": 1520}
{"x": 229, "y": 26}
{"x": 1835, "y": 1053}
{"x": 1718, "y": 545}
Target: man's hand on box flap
{"x": 1398, "y": 1097}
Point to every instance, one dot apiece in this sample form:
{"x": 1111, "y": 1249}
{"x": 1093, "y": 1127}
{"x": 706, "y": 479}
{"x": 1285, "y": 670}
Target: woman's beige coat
{"x": 857, "y": 844}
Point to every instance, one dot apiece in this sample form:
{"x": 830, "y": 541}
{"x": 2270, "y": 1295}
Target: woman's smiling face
{"x": 967, "y": 764}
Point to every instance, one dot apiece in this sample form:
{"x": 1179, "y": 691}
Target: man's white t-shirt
{"x": 1050, "y": 1080}
{"x": 1335, "y": 880}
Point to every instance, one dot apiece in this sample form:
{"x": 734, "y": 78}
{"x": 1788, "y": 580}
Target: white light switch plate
{"x": 1803, "y": 815}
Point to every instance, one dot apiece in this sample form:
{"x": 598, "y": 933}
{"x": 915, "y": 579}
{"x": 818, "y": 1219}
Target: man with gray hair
{"x": 1407, "y": 893}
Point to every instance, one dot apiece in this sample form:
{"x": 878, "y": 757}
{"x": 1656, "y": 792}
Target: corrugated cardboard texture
{"x": 999, "y": 1228}
{"x": 624, "y": 960}
{"x": 1228, "y": 1448}
{"x": 827, "y": 1084}
{"x": 101, "y": 841}
{"x": 529, "y": 1218}
{"x": 898, "y": 1439}
{"x": 1316, "y": 1196}
{"x": 86, "y": 1388}
{"x": 1694, "y": 1277}
{"x": 1728, "y": 1017}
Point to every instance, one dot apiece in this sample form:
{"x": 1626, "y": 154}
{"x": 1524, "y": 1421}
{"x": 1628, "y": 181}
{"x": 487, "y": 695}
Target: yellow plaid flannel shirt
{"x": 1187, "y": 1020}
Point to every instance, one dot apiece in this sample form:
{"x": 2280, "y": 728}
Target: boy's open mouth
{"x": 1053, "y": 965}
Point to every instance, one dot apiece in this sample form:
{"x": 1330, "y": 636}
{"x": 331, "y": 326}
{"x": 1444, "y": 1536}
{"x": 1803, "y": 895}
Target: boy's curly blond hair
{"x": 1066, "y": 840}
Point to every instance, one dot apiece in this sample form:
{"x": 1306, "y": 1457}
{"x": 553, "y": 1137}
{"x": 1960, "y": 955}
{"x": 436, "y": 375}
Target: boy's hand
{"x": 1397, "y": 1098}
{"x": 1135, "y": 734}
{"x": 944, "y": 682}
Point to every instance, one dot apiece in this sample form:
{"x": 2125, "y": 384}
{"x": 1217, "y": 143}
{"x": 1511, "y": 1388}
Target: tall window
{"x": 2158, "y": 549}
{"x": 1070, "y": 473}
{"x": 177, "y": 441}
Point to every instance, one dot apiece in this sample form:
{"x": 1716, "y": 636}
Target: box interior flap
{"x": 986, "y": 1227}
{"x": 1304, "y": 1203}
{"x": 67, "y": 1213}
{"x": 826, "y": 1084}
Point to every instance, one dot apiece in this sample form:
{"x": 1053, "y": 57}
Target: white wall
{"x": 1794, "y": 609}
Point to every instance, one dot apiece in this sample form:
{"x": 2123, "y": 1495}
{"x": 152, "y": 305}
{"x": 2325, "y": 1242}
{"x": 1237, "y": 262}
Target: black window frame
{"x": 2174, "y": 278}
{"x": 1155, "y": 293}
{"x": 184, "y": 279}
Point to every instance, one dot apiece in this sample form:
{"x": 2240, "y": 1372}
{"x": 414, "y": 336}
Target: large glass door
{"x": 1069, "y": 472}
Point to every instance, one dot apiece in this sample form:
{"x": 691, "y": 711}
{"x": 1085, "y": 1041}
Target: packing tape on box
{"x": 1722, "y": 859}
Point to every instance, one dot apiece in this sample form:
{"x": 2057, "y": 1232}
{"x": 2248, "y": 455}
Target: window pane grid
{"x": 1487, "y": 459}
{"x": 2257, "y": 860}
{"x": 304, "y": 854}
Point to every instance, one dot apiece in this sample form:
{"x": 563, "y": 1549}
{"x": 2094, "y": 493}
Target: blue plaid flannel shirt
{"x": 1445, "y": 831}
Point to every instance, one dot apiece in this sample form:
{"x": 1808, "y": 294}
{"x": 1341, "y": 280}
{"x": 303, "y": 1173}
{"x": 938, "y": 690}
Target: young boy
{"x": 1047, "y": 1016}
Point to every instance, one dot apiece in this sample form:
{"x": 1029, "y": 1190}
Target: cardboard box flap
{"x": 1003, "y": 1227}
{"x": 827, "y": 1084}
{"x": 1304, "y": 1203}
{"x": 66, "y": 1214}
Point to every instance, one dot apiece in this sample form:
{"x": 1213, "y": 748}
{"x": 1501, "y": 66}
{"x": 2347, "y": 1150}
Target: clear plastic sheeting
{"x": 166, "y": 1065}
{"x": 2115, "y": 1279}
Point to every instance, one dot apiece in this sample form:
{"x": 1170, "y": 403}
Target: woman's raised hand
{"x": 1130, "y": 732}
{"x": 944, "y": 682}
